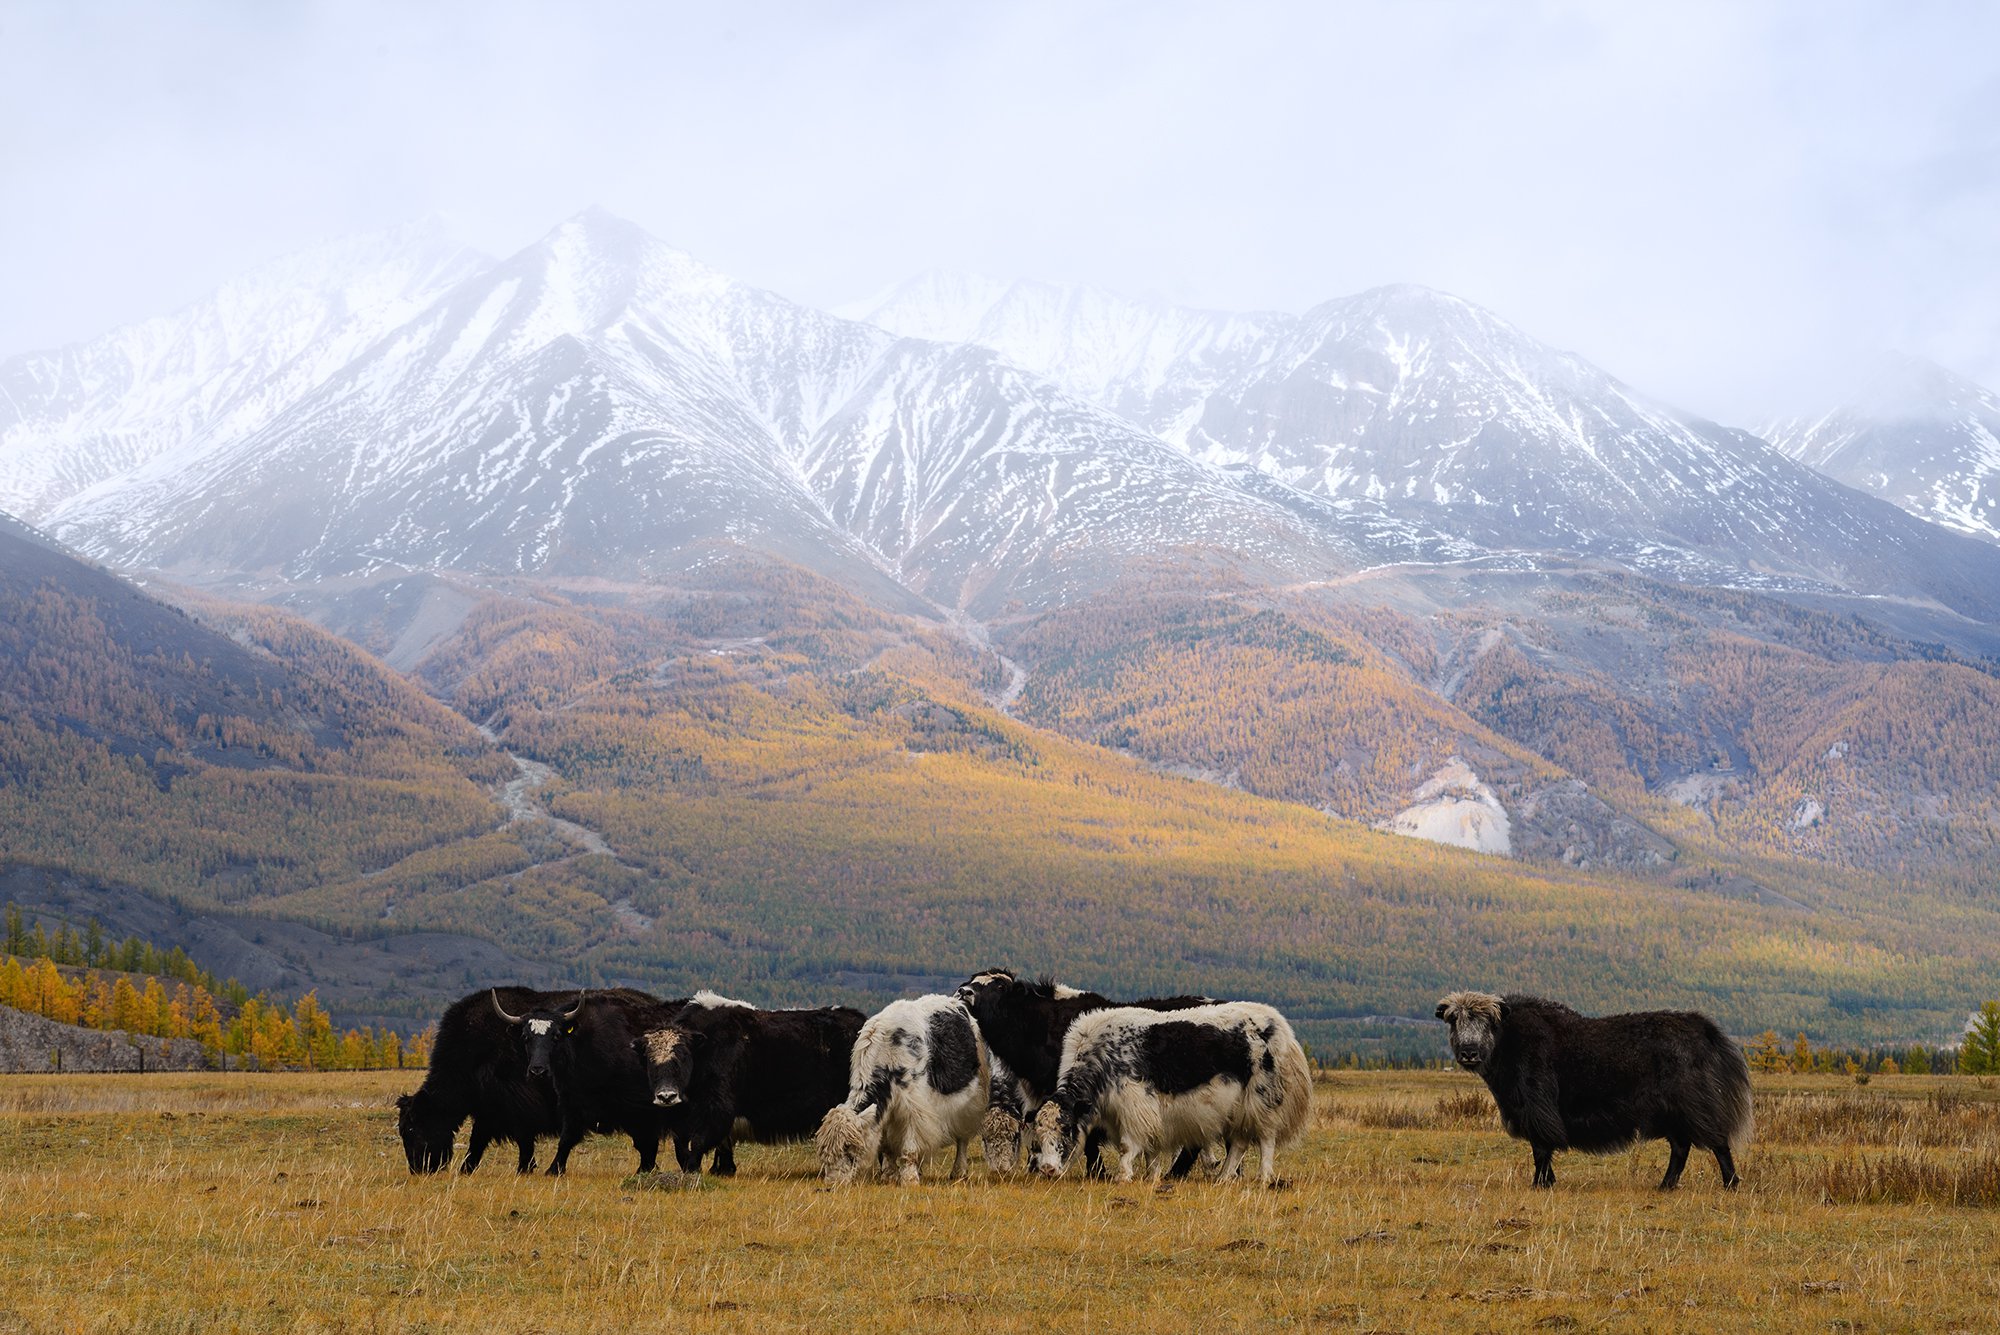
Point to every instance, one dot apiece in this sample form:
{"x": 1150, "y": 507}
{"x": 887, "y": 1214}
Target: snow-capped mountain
{"x": 1916, "y": 435}
{"x": 601, "y": 403}
{"x": 1413, "y": 405}
{"x": 218, "y": 370}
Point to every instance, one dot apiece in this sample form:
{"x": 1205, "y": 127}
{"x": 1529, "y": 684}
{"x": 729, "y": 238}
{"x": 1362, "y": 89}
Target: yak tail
{"x": 1734, "y": 1094}
{"x": 1293, "y": 1113}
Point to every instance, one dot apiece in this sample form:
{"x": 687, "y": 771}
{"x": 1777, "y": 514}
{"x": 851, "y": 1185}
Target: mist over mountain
{"x": 1914, "y": 434}
{"x": 602, "y": 404}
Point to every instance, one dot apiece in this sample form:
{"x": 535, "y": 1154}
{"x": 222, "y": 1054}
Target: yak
{"x": 1024, "y": 1023}
{"x": 478, "y": 1070}
{"x": 917, "y": 1082}
{"x": 1157, "y": 1083}
{"x": 1565, "y": 1081}
{"x": 723, "y": 1068}
{"x": 591, "y": 1053}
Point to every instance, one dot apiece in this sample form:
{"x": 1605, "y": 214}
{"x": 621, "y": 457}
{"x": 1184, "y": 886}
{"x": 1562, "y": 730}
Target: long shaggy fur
{"x": 1599, "y": 1084}
{"x": 895, "y": 1109}
{"x": 1105, "y": 1082}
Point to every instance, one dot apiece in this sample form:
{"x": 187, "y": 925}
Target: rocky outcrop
{"x": 36, "y": 1043}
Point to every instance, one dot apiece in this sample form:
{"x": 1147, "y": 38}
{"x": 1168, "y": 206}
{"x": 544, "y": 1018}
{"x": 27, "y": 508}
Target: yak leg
{"x": 475, "y": 1147}
{"x": 1545, "y": 1169}
{"x": 648, "y": 1146}
{"x": 958, "y": 1161}
{"x": 1184, "y": 1162}
{"x": 1726, "y": 1161}
{"x": 1093, "y": 1144}
{"x": 1126, "y": 1160}
{"x": 571, "y": 1138}
{"x": 1232, "y": 1162}
{"x": 724, "y": 1162}
{"x": 907, "y": 1171}
{"x": 1677, "y": 1159}
{"x": 1267, "y": 1153}
{"x": 524, "y": 1158}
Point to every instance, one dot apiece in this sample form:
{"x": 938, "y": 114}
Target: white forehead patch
{"x": 661, "y": 1044}
{"x": 541, "y": 1026}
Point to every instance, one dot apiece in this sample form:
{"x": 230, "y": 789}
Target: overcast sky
{"x": 1725, "y": 205}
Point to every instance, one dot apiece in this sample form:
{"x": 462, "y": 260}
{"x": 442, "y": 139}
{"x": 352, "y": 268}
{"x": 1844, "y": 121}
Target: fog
{"x": 1727, "y": 205}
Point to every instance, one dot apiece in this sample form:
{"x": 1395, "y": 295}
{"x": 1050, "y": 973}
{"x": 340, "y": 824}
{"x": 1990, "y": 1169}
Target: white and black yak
{"x": 918, "y": 1081}
{"x": 1162, "y": 1083}
{"x": 1565, "y": 1081}
{"x": 1024, "y": 1022}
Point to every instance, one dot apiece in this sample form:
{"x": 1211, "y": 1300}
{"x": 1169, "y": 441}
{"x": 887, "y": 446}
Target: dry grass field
{"x": 280, "y": 1202}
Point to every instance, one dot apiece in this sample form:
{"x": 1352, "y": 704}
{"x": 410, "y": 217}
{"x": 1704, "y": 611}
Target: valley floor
{"x": 280, "y": 1202}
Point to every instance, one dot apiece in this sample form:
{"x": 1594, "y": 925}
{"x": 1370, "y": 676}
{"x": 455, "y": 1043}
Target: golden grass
{"x": 280, "y": 1203}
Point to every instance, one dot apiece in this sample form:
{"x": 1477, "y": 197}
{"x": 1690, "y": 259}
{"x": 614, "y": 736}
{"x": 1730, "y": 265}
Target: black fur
{"x": 1024, "y": 1024}
{"x": 600, "y": 1074}
{"x": 1569, "y": 1081}
{"x": 1178, "y": 1055}
{"x": 777, "y": 1070}
{"x": 478, "y": 1070}
{"x": 954, "y": 1051}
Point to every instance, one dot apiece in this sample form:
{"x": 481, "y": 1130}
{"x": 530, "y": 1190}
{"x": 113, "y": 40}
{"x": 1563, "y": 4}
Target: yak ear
{"x": 1505, "y": 1010}
{"x": 1440, "y": 1010}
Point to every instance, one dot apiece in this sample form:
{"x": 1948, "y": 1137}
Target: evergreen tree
{"x": 1802, "y": 1054}
{"x": 1979, "y": 1053}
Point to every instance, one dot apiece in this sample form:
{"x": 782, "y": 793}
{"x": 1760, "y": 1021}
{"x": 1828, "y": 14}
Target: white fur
{"x": 541, "y": 1026}
{"x": 917, "y": 1119}
{"x": 708, "y": 998}
{"x": 1271, "y": 1112}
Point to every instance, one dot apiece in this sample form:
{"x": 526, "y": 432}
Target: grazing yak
{"x": 1565, "y": 1081}
{"x": 1158, "y": 1082}
{"x": 1024, "y": 1023}
{"x": 479, "y": 1070}
{"x": 917, "y": 1082}
{"x": 1003, "y": 1136}
{"x": 723, "y": 1068}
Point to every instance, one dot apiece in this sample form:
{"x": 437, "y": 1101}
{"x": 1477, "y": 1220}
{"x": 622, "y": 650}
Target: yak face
{"x": 982, "y": 986}
{"x": 541, "y": 1036}
{"x": 669, "y": 1055}
{"x": 1058, "y": 1127}
{"x": 848, "y": 1141}
{"x": 427, "y": 1132}
{"x": 1474, "y": 1018}
{"x": 543, "y": 1032}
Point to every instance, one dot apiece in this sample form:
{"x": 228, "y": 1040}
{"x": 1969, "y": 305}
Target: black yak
{"x": 723, "y": 1067}
{"x": 479, "y": 1070}
{"x": 1565, "y": 1081}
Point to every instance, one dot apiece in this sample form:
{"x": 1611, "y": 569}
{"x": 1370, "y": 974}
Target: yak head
{"x": 848, "y": 1141}
{"x": 427, "y": 1131}
{"x": 1000, "y": 1138}
{"x": 1059, "y": 1128}
{"x": 543, "y": 1031}
{"x": 1475, "y": 1019}
{"x": 670, "y": 1057}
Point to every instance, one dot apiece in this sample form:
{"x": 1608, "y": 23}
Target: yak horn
{"x": 510, "y": 1019}
{"x": 577, "y": 1009}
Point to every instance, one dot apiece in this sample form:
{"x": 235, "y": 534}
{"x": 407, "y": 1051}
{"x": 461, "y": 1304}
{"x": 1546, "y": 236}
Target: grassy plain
{"x": 281, "y": 1203}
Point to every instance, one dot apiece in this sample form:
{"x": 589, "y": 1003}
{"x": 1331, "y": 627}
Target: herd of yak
{"x": 1034, "y": 1070}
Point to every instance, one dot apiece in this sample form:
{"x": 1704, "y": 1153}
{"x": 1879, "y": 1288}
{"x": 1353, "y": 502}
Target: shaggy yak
{"x": 1159, "y": 1083}
{"x": 917, "y": 1082}
{"x": 1565, "y": 1081}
